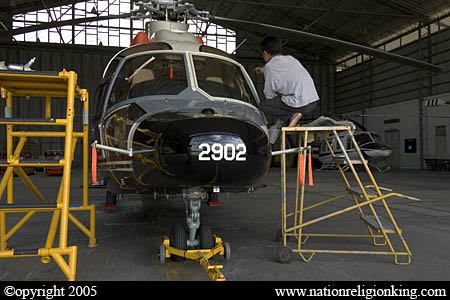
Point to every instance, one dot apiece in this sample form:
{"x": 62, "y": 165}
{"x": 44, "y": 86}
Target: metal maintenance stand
{"x": 364, "y": 197}
{"x": 47, "y": 85}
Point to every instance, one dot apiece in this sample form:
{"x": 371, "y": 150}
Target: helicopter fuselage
{"x": 186, "y": 118}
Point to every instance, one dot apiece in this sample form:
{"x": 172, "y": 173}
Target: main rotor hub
{"x": 168, "y": 10}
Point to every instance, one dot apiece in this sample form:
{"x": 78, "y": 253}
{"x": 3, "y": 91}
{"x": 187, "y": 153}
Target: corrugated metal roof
{"x": 367, "y": 22}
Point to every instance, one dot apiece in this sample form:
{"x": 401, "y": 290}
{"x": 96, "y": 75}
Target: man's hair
{"x": 271, "y": 44}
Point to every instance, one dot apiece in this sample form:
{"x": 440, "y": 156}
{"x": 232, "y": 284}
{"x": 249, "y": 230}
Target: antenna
{"x": 239, "y": 46}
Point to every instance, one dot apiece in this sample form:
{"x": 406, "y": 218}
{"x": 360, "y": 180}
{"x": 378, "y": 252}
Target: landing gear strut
{"x": 200, "y": 239}
{"x": 193, "y": 200}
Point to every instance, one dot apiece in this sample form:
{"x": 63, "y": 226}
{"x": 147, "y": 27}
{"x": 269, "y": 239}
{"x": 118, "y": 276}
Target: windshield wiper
{"x": 140, "y": 68}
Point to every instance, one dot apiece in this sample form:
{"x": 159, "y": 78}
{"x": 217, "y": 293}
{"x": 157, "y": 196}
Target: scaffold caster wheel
{"x": 285, "y": 255}
{"x": 227, "y": 250}
{"x": 206, "y": 237}
{"x": 178, "y": 240}
{"x": 162, "y": 254}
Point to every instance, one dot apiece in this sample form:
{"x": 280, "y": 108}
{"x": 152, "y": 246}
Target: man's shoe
{"x": 274, "y": 131}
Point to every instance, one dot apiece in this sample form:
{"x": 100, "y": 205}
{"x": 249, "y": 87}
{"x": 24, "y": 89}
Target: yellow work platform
{"x": 364, "y": 197}
{"x": 46, "y": 85}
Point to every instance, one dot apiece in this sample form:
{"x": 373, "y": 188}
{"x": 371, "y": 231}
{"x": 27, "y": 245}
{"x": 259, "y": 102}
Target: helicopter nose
{"x": 207, "y": 149}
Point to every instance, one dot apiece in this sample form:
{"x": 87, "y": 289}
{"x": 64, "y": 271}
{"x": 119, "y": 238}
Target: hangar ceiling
{"x": 365, "y": 22}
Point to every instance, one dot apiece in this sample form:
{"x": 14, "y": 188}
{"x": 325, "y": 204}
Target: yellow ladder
{"x": 48, "y": 85}
{"x": 363, "y": 196}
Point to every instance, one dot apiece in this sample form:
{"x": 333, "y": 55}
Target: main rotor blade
{"x": 47, "y": 25}
{"x": 339, "y": 44}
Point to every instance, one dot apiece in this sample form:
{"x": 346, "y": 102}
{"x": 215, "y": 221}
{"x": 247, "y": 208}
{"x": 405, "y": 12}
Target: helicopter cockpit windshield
{"x": 220, "y": 78}
{"x": 149, "y": 75}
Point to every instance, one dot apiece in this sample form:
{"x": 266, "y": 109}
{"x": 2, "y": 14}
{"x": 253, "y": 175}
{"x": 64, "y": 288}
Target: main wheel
{"x": 227, "y": 250}
{"x": 178, "y": 240}
{"x": 111, "y": 198}
{"x": 162, "y": 254}
{"x": 206, "y": 237}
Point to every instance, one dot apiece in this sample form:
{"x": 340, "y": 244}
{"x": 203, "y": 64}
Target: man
{"x": 288, "y": 88}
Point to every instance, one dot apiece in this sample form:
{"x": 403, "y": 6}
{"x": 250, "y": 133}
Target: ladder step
{"x": 38, "y": 120}
{"x": 372, "y": 222}
{"x": 357, "y": 191}
{"x": 352, "y": 161}
{"x": 329, "y": 165}
{"x": 28, "y": 205}
{"x": 26, "y": 252}
{"x": 26, "y": 121}
{"x": 340, "y": 159}
{"x": 34, "y": 162}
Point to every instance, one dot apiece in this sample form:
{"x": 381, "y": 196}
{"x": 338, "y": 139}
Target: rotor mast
{"x": 169, "y": 14}
{"x": 168, "y": 10}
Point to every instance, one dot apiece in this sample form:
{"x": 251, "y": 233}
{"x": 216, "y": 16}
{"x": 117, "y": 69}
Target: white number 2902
{"x": 228, "y": 152}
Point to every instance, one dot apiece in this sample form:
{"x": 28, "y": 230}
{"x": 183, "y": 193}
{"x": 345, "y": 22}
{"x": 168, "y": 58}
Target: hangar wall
{"x": 386, "y": 95}
{"x": 400, "y": 120}
{"x": 87, "y": 61}
{"x": 377, "y": 82}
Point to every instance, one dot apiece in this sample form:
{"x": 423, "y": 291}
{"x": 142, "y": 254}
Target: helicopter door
{"x": 222, "y": 78}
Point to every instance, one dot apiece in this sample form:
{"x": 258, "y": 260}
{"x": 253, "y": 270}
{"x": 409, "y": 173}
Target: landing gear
{"x": 206, "y": 237}
{"x": 178, "y": 240}
{"x": 227, "y": 250}
{"x": 193, "y": 200}
{"x": 111, "y": 200}
{"x": 213, "y": 199}
{"x": 199, "y": 239}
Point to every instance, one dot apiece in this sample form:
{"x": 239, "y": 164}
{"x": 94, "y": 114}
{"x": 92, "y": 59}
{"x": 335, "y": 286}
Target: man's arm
{"x": 259, "y": 70}
{"x": 269, "y": 85}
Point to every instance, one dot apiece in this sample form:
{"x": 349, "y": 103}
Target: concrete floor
{"x": 129, "y": 238}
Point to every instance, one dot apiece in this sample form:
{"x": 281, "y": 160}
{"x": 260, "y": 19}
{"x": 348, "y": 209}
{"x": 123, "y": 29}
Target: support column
{"x": 9, "y": 143}
{"x": 6, "y": 21}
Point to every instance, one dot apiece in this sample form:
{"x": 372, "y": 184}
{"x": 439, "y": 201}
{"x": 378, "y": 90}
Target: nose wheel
{"x": 178, "y": 240}
{"x": 205, "y": 237}
{"x": 198, "y": 242}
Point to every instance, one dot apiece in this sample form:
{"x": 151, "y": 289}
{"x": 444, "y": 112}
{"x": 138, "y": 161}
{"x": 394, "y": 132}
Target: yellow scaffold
{"x": 48, "y": 85}
{"x": 364, "y": 197}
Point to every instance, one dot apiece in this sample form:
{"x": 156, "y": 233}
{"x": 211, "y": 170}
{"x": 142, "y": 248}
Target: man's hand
{"x": 259, "y": 70}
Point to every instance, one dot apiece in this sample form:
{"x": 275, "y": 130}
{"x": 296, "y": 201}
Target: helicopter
{"x": 369, "y": 142}
{"x": 175, "y": 116}
{"x": 370, "y": 145}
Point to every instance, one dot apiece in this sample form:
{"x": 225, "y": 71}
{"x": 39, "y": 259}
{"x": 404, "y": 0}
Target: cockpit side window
{"x": 363, "y": 138}
{"x": 376, "y": 137}
{"x": 111, "y": 68}
{"x": 220, "y": 78}
{"x": 148, "y": 75}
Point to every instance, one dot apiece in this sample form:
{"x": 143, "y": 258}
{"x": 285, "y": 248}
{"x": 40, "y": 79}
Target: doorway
{"x": 441, "y": 142}
{"x": 392, "y": 139}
